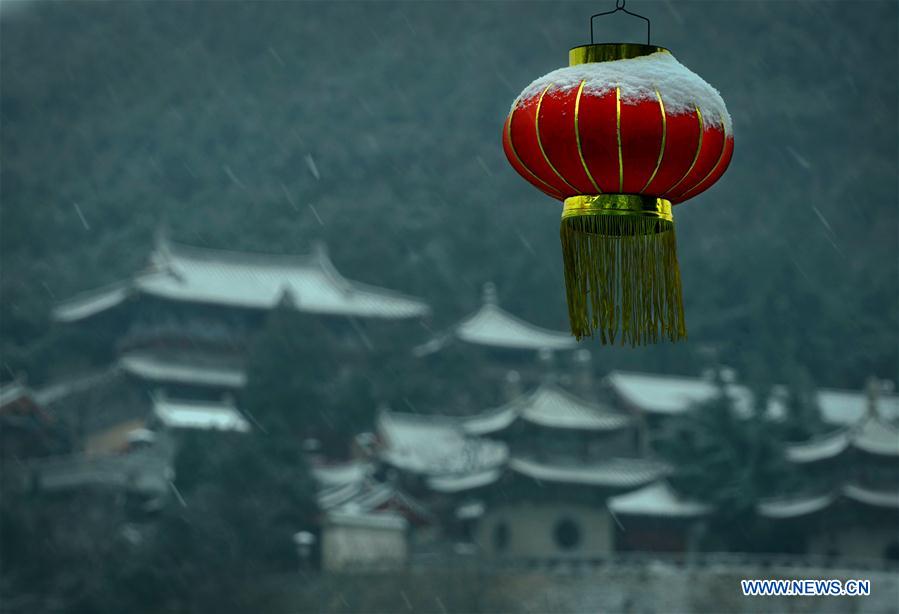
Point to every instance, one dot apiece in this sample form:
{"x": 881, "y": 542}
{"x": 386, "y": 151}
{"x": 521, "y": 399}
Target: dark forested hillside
{"x": 375, "y": 126}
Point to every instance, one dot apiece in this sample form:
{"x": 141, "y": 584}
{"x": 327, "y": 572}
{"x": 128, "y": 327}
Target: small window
{"x": 500, "y": 536}
{"x": 567, "y": 534}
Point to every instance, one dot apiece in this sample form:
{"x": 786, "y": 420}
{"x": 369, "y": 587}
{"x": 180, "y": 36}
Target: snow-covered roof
{"x": 876, "y": 498}
{"x": 657, "y": 499}
{"x": 492, "y": 420}
{"x": 367, "y": 495}
{"x": 872, "y": 435}
{"x": 794, "y": 506}
{"x": 671, "y": 395}
{"x": 156, "y": 368}
{"x": 819, "y": 448}
{"x": 847, "y": 407}
{"x": 875, "y": 436}
{"x": 343, "y": 473}
{"x": 92, "y": 302}
{"x": 333, "y": 496}
{"x": 465, "y": 481}
{"x": 548, "y": 406}
{"x": 613, "y": 473}
{"x": 434, "y": 445}
{"x": 493, "y": 326}
{"x": 205, "y": 415}
{"x": 247, "y": 280}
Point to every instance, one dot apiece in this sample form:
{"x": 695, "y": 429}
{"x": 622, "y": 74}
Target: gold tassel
{"x": 622, "y": 277}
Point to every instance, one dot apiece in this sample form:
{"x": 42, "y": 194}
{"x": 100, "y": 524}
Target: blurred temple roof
{"x": 246, "y": 280}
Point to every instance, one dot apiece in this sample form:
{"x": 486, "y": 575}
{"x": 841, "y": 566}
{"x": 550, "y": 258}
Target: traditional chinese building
{"x": 527, "y": 479}
{"x": 850, "y": 505}
{"x": 184, "y": 322}
{"x": 568, "y": 456}
{"x": 506, "y": 336}
{"x": 656, "y": 518}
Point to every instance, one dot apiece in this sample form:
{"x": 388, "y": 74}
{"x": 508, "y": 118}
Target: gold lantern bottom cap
{"x": 622, "y": 279}
{"x": 628, "y": 205}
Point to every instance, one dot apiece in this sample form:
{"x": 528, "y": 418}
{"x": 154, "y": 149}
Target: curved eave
{"x": 90, "y": 303}
{"x": 156, "y": 370}
{"x": 490, "y": 422}
{"x": 874, "y": 498}
{"x": 778, "y": 509}
{"x": 548, "y": 407}
{"x": 877, "y": 437}
{"x": 823, "y": 448}
{"x": 460, "y": 483}
{"x": 636, "y": 389}
{"x": 367, "y": 305}
{"x": 509, "y": 332}
{"x": 656, "y": 500}
{"x": 877, "y": 448}
{"x": 604, "y": 424}
{"x": 616, "y": 473}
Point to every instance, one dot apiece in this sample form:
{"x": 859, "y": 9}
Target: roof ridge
{"x": 205, "y": 403}
{"x": 697, "y": 378}
{"x": 207, "y": 253}
{"x": 562, "y": 391}
{"x": 508, "y": 314}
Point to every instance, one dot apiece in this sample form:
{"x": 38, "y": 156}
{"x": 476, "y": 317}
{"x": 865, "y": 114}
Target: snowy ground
{"x": 655, "y": 588}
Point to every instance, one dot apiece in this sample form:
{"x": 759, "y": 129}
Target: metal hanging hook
{"x": 619, "y": 6}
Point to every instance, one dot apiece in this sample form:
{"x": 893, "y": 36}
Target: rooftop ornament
{"x": 620, "y": 136}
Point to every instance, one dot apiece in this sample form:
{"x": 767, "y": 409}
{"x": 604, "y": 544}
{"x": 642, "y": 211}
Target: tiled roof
{"x": 869, "y": 496}
{"x": 671, "y": 395}
{"x": 493, "y": 326}
{"x": 253, "y": 281}
{"x": 434, "y": 446}
{"x": 157, "y": 368}
{"x": 657, "y": 499}
{"x": 205, "y": 415}
{"x": 552, "y": 407}
{"x": 820, "y": 448}
{"x": 795, "y": 506}
{"x": 613, "y": 473}
{"x": 875, "y": 436}
{"x": 465, "y": 481}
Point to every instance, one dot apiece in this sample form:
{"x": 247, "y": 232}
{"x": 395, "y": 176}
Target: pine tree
{"x": 300, "y": 383}
{"x": 802, "y": 418}
{"x": 729, "y": 460}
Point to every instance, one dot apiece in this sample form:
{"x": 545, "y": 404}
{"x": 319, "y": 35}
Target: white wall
{"x": 363, "y": 547}
{"x": 531, "y": 529}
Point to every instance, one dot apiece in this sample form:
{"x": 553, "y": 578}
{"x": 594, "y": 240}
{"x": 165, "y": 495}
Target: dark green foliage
{"x": 240, "y": 498}
{"x": 298, "y": 383}
{"x": 728, "y": 460}
{"x": 244, "y": 496}
{"x": 802, "y": 419}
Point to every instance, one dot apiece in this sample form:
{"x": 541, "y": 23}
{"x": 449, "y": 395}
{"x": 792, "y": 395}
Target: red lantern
{"x": 620, "y": 136}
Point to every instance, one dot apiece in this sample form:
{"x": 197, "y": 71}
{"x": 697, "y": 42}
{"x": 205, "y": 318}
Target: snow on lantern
{"x": 620, "y": 136}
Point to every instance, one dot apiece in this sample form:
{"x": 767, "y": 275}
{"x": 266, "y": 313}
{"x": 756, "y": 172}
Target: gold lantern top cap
{"x": 608, "y": 52}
